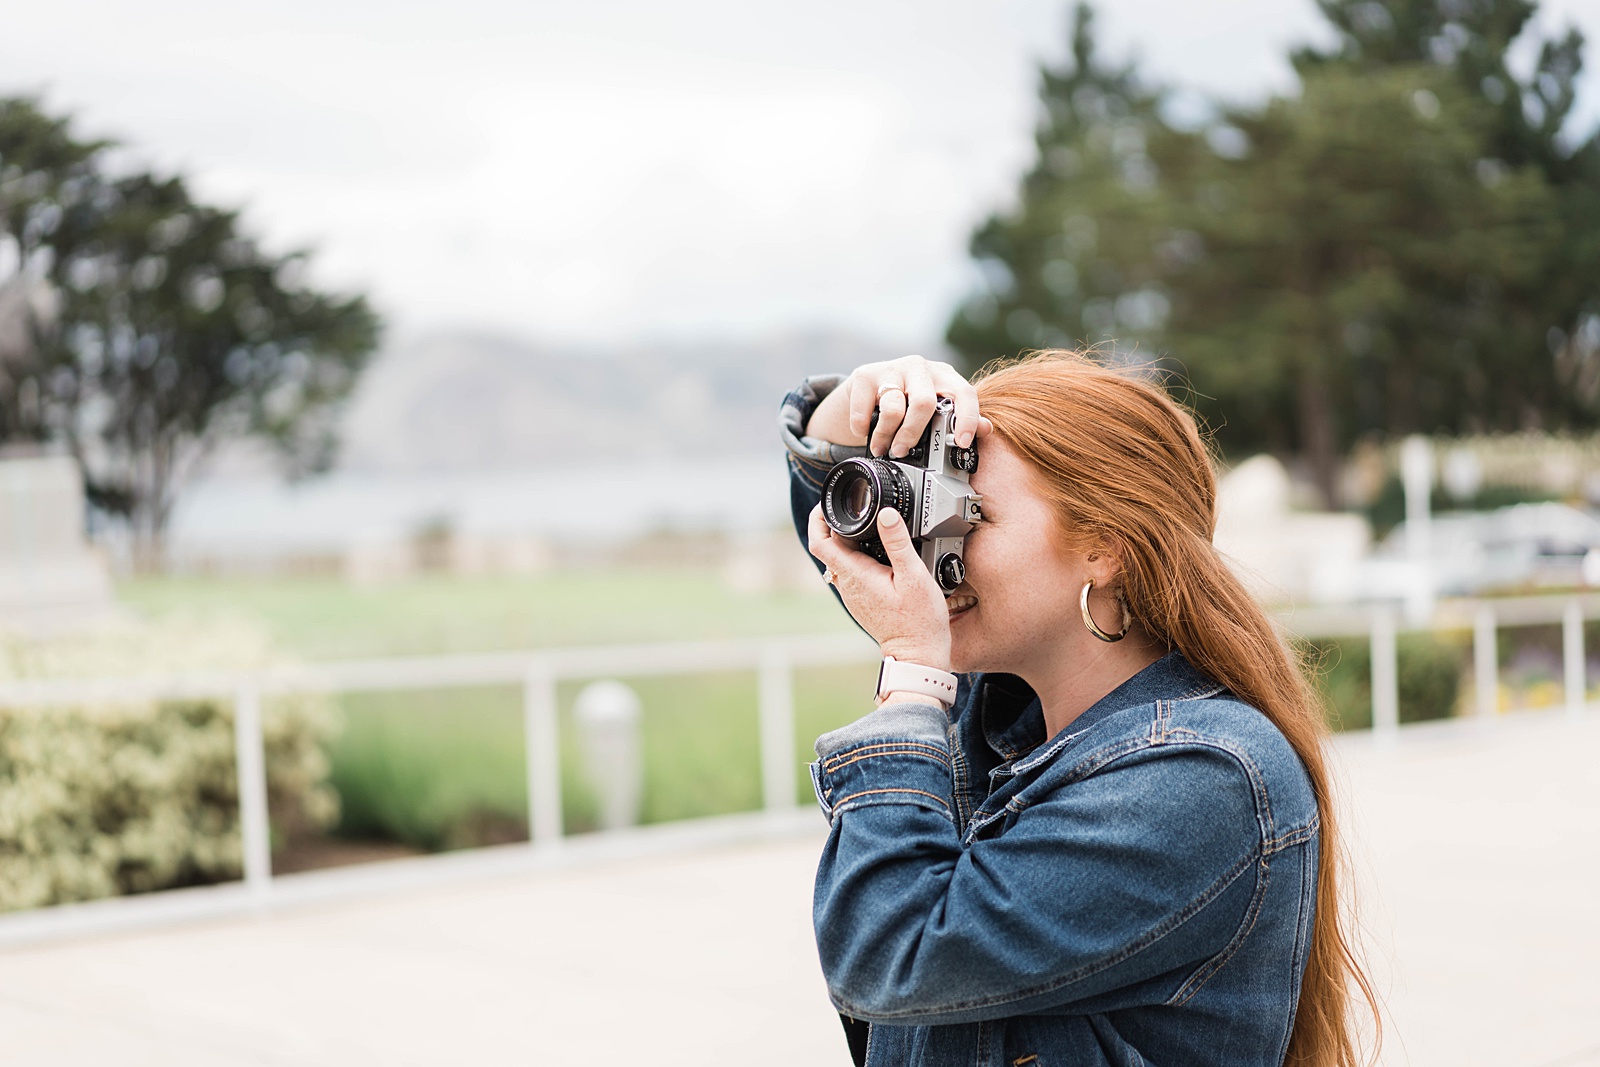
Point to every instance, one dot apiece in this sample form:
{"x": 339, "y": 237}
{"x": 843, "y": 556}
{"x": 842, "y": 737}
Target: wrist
{"x": 926, "y": 654}
{"x": 904, "y": 681}
{"x": 830, "y": 419}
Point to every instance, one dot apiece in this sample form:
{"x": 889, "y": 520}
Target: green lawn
{"x": 445, "y": 769}
{"x": 325, "y": 618}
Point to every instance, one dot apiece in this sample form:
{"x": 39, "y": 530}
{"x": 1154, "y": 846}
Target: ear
{"x": 1103, "y": 563}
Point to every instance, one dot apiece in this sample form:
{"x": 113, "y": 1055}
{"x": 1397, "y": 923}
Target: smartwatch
{"x": 895, "y": 676}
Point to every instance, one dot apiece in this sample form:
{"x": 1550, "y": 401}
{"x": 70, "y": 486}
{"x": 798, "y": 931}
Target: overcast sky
{"x": 611, "y": 169}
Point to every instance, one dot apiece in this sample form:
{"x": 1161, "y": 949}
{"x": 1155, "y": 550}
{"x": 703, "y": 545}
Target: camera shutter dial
{"x": 951, "y": 571}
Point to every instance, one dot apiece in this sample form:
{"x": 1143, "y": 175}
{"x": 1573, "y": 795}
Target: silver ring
{"x": 890, "y": 387}
{"x": 828, "y": 575}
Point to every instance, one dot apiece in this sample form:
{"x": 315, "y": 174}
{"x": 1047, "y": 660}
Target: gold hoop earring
{"x": 1088, "y": 620}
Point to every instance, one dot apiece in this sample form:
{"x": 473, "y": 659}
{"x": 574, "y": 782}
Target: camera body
{"x": 930, "y": 487}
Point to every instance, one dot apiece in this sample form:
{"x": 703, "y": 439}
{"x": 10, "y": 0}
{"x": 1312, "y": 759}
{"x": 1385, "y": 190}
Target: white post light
{"x": 1572, "y": 657}
{"x": 608, "y": 731}
{"x": 1416, "y": 476}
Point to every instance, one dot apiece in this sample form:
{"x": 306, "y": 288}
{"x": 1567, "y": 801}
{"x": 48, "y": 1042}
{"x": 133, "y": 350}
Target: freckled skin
{"x": 1027, "y": 581}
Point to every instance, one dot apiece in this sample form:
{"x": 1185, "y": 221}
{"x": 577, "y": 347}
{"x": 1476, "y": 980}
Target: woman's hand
{"x": 905, "y": 391}
{"x": 900, "y": 606}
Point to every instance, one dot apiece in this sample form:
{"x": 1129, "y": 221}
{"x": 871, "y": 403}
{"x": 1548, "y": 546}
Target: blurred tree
{"x": 155, "y": 328}
{"x": 1405, "y": 245}
{"x": 1558, "y": 310}
{"x": 1079, "y": 259}
{"x": 1359, "y": 276}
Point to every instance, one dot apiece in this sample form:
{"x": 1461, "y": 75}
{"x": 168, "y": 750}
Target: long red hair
{"x": 1126, "y": 467}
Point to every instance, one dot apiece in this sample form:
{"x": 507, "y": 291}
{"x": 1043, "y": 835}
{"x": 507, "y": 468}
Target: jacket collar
{"x": 1013, "y": 719}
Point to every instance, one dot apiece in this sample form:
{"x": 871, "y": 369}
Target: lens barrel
{"x": 857, "y": 489}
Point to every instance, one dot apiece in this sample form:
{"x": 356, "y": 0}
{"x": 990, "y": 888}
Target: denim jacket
{"x": 1137, "y": 889}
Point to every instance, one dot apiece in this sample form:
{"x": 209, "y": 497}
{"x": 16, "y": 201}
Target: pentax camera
{"x": 929, "y": 488}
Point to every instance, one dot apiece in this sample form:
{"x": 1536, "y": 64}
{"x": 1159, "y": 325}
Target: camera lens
{"x": 858, "y": 499}
{"x": 856, "y": 489}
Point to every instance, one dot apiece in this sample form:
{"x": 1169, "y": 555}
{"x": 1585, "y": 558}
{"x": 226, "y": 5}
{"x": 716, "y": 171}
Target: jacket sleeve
{"x": 1141, "y": 867}
{"x": 810, "y": 458}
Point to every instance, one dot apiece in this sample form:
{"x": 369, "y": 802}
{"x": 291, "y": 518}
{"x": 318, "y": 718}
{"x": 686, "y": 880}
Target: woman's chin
{"x": 963, "y": 640}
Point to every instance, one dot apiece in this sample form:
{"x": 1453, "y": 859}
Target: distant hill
{"x": 475, "y": 401}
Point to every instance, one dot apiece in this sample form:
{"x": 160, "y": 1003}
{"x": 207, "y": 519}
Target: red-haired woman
{"x": 1111, "y": 840}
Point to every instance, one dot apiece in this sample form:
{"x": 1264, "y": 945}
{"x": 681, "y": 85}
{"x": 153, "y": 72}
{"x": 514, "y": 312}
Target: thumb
{"x": 897, "y": 540}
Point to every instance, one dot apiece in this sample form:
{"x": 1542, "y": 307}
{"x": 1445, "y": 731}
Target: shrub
{"x": 131, "y": 796}
{"x": 1429, "y": 679}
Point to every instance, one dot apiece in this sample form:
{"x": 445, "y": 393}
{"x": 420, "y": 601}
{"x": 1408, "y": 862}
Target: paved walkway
{"x": 1480, "y": 851}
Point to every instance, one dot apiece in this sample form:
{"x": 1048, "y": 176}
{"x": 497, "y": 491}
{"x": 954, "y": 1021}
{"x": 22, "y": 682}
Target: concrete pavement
{"x": 1479, "y": 852}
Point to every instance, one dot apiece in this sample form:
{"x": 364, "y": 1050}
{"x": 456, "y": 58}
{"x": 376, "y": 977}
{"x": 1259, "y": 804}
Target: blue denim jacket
{"x": 1137, "y": 889}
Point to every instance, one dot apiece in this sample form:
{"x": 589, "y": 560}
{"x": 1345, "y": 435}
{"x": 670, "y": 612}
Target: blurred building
{"x": 1281, "y": 554}
{"x": 50, "y": 580}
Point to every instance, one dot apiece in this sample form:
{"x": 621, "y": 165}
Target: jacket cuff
{"x": 811, "y": 457}
{"x": 897, "y": 754}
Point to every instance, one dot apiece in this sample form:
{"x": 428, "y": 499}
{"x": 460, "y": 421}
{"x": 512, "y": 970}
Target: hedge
{"x": 132, "y": 796}
{"x": 1429, "y": 671}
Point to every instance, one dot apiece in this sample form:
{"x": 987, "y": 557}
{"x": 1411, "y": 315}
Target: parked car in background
{"x": 1519, "y": 547}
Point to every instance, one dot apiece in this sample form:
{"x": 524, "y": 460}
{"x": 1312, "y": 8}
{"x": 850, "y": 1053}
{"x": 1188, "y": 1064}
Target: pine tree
{"x": 1077, "y": 262}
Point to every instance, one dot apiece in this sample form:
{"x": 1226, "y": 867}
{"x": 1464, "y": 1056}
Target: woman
{"x": 1115, "y": 843}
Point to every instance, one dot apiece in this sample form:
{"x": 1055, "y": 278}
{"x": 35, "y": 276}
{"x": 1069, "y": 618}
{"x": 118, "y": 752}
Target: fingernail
{"x": 897, "y": 452}
{"x": 890, "y": 517}
{"x": 963, "y": 439}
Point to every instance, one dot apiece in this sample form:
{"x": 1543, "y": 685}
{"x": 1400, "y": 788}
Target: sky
{"x": 617, "y": 170}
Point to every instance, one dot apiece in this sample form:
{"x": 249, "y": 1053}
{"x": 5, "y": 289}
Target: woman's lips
{"x": 960, "y": 603}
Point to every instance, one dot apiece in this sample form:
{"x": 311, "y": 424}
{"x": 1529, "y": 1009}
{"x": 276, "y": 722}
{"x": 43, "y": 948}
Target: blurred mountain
{"x": 464, "y": 401}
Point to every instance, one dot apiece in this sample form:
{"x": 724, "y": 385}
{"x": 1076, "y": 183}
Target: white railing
{"x": 774, "y": 661}
{"x": 1382, "y": 626}
{"x": 536, "y": 672}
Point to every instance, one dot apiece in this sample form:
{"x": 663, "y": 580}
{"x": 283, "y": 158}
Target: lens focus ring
{"x": 857, "y": 489}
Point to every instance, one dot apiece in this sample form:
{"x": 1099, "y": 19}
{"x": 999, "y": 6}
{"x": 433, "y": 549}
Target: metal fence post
{"x": 251, "y": 763}
{"x": 1485, "y": 662}
{"x": 776, "y": 698}
{"x": 1572, "y": 657}
{"x": 1385, "y": 675}
{"x": 544, "y": 755}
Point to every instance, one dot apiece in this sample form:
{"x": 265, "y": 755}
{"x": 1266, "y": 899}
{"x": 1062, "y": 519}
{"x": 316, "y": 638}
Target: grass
{"x": 325, "y": 618}
{"x": 446, "y": 769}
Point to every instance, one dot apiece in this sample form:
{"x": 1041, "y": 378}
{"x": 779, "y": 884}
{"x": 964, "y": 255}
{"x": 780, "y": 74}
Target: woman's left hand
{"x": 900, "y": 606}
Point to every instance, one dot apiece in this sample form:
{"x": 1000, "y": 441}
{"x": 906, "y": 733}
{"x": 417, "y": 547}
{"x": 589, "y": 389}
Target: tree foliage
{"x": 1081, "y": 260}
{"x": 1405, "y": 245}
{"x": 141, "y": 327}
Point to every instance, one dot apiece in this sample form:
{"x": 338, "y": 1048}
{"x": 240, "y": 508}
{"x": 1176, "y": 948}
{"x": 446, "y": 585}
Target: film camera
{"x": 929, "y": 488}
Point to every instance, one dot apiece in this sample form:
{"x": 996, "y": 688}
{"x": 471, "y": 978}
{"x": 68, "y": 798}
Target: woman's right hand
{"x": 905, "y": 391}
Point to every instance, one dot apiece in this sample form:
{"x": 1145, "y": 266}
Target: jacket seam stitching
{"x": 891, "y": 789}
{"x": 1258, "y": 787}
{"x": 1290, "y": 838}
{"x": 1211, "y": 967}
{"x": 1151, "y": 936}
{"x": 918, "y": 753}
{"x": 804, "y": 470}
{"x": 886, "y": 748}
{"x": 960, "y": 777}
